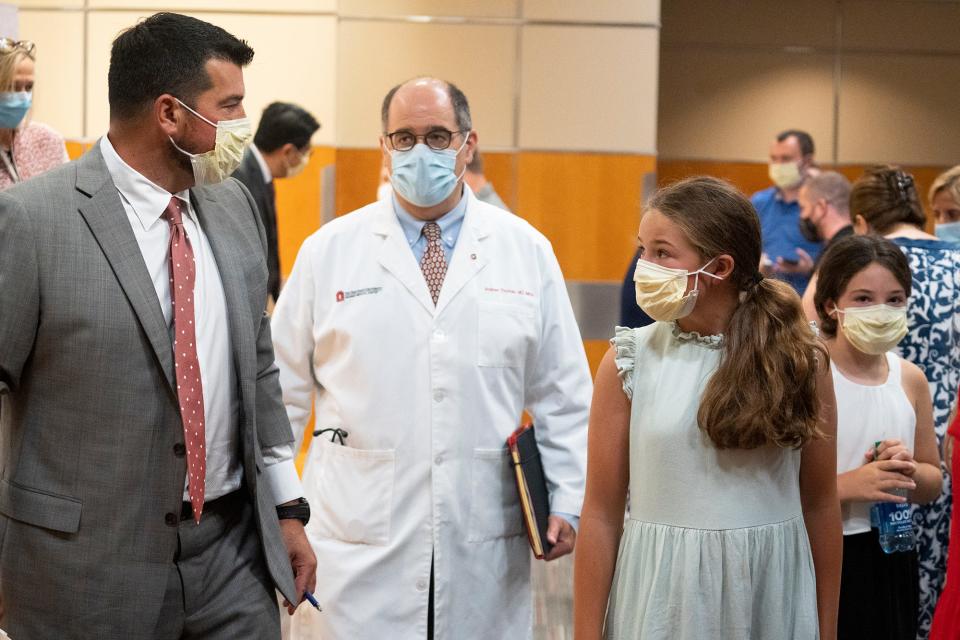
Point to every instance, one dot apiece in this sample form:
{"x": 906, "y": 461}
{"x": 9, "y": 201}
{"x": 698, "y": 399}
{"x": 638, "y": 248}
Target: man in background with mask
{"x": 824, "y": 217}
{"x": 418, "y": 329}
{"x": 824, "y": 201}
{"x": 791, "y": 162}
{"x": 145, "y": 453}
{"x": 280, "y": 149}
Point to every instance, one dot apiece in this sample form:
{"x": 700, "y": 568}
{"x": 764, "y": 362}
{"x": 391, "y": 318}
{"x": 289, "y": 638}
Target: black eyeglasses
{"x": 9, "y": 45}
{"x": 436, "y": 139}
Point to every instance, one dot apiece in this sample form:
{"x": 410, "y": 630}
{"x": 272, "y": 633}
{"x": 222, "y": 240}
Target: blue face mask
{"x": 949, "y": 231}
{"x": 423, "y": 176}
{"x": 13, "y": 107}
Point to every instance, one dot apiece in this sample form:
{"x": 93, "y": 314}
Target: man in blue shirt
{"x": 786, "y": 253}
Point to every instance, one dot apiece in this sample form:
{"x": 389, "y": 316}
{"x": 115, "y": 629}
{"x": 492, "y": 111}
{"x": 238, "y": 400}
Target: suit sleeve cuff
{"x": 282, "y": 481}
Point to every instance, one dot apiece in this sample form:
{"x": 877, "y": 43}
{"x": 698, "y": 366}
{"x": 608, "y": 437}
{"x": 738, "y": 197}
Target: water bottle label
{"x": 895, "y": 518}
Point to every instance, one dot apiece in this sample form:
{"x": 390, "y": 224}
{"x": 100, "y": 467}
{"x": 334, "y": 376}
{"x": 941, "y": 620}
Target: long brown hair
{"x": 765, "y": 388}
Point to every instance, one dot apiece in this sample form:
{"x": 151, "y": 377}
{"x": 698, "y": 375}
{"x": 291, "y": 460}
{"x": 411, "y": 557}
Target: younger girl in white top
{"x": 864, "y": 283}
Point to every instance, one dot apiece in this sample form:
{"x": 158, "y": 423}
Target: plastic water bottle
{"x": 896, "y": 524}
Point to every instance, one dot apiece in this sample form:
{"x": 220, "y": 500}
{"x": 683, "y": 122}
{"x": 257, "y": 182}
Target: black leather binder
{"x": 532, "y": 487}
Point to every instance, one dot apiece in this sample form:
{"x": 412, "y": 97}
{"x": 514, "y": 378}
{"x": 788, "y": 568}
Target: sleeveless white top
{"x": 866, "y": 414}
{"x": 715, "y": 545}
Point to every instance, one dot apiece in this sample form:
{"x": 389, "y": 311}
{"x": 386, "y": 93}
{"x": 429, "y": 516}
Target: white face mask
{"x": 875, "y": 329}
{"x": 216, "y": 165}
{"x": 662, "y": 291}
{"x": 297, "y": 169}
{"x": 785, "y": 175}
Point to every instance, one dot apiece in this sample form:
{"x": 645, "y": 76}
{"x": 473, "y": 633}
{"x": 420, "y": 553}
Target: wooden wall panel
{"x": 76, "y": 148}
{"x": 750, "y": 177}
{"x": 298, "y": 206}
{"x": 588, "y": 205}
{"x": 595, "y": 352}
{"x": 501, "y": 171}
{"x": 358, "y": 175}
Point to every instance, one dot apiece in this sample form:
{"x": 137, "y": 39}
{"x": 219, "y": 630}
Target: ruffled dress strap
{"x": 625, "y": 344}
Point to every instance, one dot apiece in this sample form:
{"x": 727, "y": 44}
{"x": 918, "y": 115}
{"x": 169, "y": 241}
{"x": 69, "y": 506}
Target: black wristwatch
{"x": 300, "y": 510}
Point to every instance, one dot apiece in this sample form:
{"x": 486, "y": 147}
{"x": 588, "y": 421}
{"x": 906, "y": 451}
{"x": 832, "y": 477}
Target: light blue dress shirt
{"x": 450, "y": 224}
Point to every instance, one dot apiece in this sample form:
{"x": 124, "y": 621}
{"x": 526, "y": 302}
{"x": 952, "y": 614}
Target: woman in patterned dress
{"x": 27, "y": 148}
{"x": 885, "y": 201}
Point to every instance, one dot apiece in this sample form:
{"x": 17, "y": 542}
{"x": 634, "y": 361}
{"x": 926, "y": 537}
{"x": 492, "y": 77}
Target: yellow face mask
{"x": 216, "y": 165}
{"x": 785, "y": 175}
{"x": 875, "y": 329}
{"x": 662, "y": 291}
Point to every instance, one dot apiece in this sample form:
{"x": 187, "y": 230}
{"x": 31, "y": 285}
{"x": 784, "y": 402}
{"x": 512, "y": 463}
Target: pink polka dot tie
{"x": 183, "y": 273}
{"x": 434, "y": 263}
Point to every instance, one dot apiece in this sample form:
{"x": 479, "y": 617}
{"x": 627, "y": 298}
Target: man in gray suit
{"x": 147, "y": 486}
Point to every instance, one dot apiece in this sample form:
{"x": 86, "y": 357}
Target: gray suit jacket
{"x": 89, "y": 478}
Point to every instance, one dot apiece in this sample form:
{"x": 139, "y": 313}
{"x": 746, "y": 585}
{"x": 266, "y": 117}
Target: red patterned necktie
{"x": 183, "y": 273}
{"x": 434, "y": 263}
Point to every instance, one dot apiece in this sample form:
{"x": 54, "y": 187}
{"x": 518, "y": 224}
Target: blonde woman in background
{"x": 945, "y": 203}
{"x": 27, "y": 148}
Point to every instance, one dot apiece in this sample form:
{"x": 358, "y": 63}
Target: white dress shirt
{"x": 144, "y": 203}
{"x": 264, "y": 169}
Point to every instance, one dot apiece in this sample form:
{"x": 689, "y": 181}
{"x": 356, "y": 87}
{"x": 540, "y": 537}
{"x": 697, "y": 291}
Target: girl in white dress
{"x": 861, "y": 300}
{"x": 719, "y": 418}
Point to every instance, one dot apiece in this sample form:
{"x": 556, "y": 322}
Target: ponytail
{"x": 765, "y": 389}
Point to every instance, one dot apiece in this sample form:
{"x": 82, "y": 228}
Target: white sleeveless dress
{"x": 715, "y": 544}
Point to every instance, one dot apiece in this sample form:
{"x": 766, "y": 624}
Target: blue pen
{"x": 309, "y": 597}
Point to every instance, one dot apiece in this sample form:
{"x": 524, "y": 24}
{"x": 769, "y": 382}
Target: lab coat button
{"x": 421, "y": 585}
{"x": 437, "y": 460}
{"x": 437, "y": 396}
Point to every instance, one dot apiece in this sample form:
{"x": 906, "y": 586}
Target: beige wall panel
{"x": 589, "y": 89}
{"x": 52, "y": 4}
{"x": 189, "y": 6}
{"x": 900, "y": 109}
{"x": 58, "y": 92}
{"x": 750, "y": 22}
{"x": 396, "y": 8}
{"x": 374, "y": 56}
{"x": 729, "y": 105}
{"x": 898, "y": 25}
{"x": 294, "y": 62}
{"x": 594, "y": 11}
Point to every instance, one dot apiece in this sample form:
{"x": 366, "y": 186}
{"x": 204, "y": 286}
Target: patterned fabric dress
{"x": 933, "y": 344}
{"x": 36, "y": 149}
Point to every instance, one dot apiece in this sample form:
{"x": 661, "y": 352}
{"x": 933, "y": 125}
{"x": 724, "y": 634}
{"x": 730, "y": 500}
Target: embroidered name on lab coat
{"x": 346, "y": 295}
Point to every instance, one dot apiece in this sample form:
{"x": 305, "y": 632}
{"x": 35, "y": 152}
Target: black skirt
{"x": 879, "y": 592}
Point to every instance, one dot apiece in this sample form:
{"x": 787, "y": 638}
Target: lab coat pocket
{"x": 505, "y": 332}
{"x": 494, "y": 502}
{"x": 354, "y": 492}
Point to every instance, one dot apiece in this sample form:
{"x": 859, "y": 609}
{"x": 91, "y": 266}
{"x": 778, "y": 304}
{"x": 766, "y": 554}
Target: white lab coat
{"x": 428, "y": 396}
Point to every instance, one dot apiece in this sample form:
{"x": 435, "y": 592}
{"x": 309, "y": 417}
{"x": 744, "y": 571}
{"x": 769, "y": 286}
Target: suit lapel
{"x": 468, "y": 258}
{"x": 107, "y": 220}
{"x": 216, "y": 227}
{"x": 397, "y": 257}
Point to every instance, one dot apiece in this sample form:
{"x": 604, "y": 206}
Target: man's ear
{"x": 168, "y": 113}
